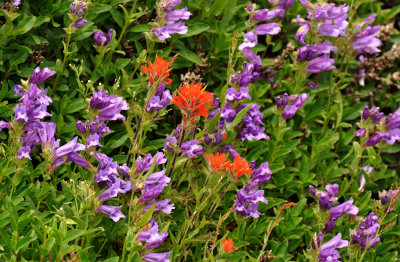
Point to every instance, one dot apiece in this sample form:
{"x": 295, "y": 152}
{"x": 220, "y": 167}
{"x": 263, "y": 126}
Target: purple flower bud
{"x": 18, "y": 89}
{"x": 290, "y": 110}
{"x": 4, "y": 124}
{"x": 72, "y": 8}
{"x": 207, "y": 139}
{"x": 168, "y": 142}
{"x": 316, "y": 242}
{"x": 360, "y": 132}
{"x": 366, "y": 234}
{"x": 80, "y": 13}
{"x": 365, "y": 113}
{"x": 80, "y": 126}
{"x": 330, "y": 225}
{"x": 312, "y": 189}
{"x": 81, "y": 22}
{"x": 306, "y": 4}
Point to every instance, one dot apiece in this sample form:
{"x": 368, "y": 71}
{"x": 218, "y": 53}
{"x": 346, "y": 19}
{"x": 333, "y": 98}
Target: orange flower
{"x": 227, "y": 244}
{"x": 217, "y": 162}
{"x": 240, "y": 166}
{"x": 159, "y": 71}
{"x": 192, "y": 100}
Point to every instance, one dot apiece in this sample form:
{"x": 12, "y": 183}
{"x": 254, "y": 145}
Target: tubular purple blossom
{"x": 267, "y": 29}
{"x": 112, "y": 211}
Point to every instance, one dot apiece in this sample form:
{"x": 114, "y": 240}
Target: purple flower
{"x": 110, "y": 106}
{"x": 17, "y": 89}
{"x": 32, "y": 105}
{"x": 388, "y": 196}
{"x": 38, "y": 76}
{"x": 233, "y": 95}
{"x": 253, "y": 197}
{"x": 250, "y": 40}
{"x": 161, "y": 205}
{"x": 252, "y": 125}
{"x": 24, "y": 152}
{"x": 320, "y": 64}
{"x": 267, "y": 29}
{"x": 166, "y": 31}
{"x": 344, "y": 208}
{"x": 365, "y": 113}
{"x": 118, "y": 187}
{"x": 81, "y": 22}
{"x": 392, "y": 121}
{"x": 67, "y": 153}
{"x": 316, "y": 242}
{"x": 262, "y": 174}
{"x": 328, "y": 250}
{"x": 307, "y": 53}
{"x": 333, "y": 28}
{"x": 144, "y": 164}
{"x": 312, "y": 189}
{"x": 150, "y": 192}
{"x": 113, "y": 212}
{"x": 157, "y": 257}
{"x": 390, "y": 137}
{"x": 102, "y": 40}
{"x": 366, "y": 235}
{"x": 266, "y": 15}
{"x": 366, "y": 41}
{"x": 158, "y": 102}
{"x": 178, "y": 14}
{"x": 331, "y": 11}
{"x": 360, "y": 132}
{"x": 302, "y": 31}
{"x": 169, "y": 4}
{"x": 168, "y": 141}
{"x": 152, "y": 237}
{"x": 16, "y": 2}
{"x": 192, "y": 149}
{"x": 4, "y": 124}
{"x": 290, "y": 110}
{"x": 306, "y": 4}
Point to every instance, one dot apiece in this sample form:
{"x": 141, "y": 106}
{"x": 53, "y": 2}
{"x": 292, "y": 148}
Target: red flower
{"x": 159, "y": 71}
{"x": 240, "y": 166}
{"x": 227, "y": 244}
{"x": 217, "y": 162}
{"x": 192, "y": 100}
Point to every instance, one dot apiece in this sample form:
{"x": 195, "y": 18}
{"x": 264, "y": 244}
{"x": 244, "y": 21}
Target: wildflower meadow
{"x": 199, "y": 130}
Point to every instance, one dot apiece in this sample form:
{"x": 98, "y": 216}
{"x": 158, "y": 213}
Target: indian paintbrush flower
{"x": 227, "y": 244}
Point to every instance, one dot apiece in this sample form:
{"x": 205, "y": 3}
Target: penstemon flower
{"x": 328, "y": 252}
{"x": 366, "y": 234}
{"x": 169, "y": 20}
{"x": 102, "y": 40}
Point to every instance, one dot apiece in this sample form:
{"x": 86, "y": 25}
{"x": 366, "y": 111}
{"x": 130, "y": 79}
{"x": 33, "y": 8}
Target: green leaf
{"x": 74, "y": 234}
{"x": 112, "y": 259}
{"x": 41, "y": 20}
{"x": 146, "y": 217}
{"x": 189, "y": 55}
{"x": 75, "y": 106}
{"x": 218, "y": 6}
{"x": 24, "y": 25}
{"x": 24, "y": 242}
{"x": 239, "y": 117}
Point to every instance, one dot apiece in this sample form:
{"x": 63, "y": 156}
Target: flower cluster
{"x": 327, "y": 201}
{"x": 365, "y": 40}
{"x": 102, "y": 40}
{"x": 366, "y": 235}
{"x": 388, "y": 126}
{"x": 108, "y": 106}
{"x": 76, "y": 12}
{"x": 169, "y": 20}
{"x": 331, "y": 21}
{"x": 248, "y": 198}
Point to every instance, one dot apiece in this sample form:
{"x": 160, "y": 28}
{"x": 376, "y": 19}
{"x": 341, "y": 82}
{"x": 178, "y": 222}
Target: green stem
{"x": 67, "y": 42}
{"x": 122, "y": 35}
